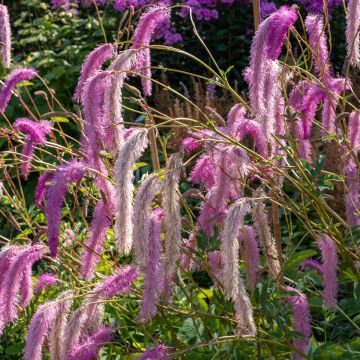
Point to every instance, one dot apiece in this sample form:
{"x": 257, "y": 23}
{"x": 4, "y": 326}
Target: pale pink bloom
{"x": 215, "y": 262}
{"x": 5, "y": 36}
{"x": 91, "y": 65}
{"x": 129, "y": 152}
{"x": 301, "y": 321}
{"x": 45, "y": 280}
{"x": 352, "y": 32}
{"x": 203, "y": 171}
{"x": 329, "y": 269}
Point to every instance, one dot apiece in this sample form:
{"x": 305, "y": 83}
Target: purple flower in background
{"x": 5, "y": 36}
{"x": 45, "y": 280}
{"x": 15, "y": 77}
{"x": 56, "y": 4}
{"x": 156, "y": 353}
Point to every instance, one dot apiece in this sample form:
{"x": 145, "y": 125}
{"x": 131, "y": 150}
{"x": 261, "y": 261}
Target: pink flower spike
{"x": 93, "y": 63}
{"x": 15, "y": 77}
{"x": 329, "y": 269}
{"x": 352, "y": 32}
{"x": 155, "y": 353}
{"x": 45, "y": 280}
{"x": 55, "y": 195}
{"x": 88, "y": 349}
{"x": 5, "y": 36}
{"x": 41, "y": 185}
{"x": 35, "y": 130}
{"x": 301, "y": 321}
{"x": 312, "y": 264}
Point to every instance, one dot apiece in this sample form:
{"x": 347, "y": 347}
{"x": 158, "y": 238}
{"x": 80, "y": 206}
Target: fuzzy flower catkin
{"x": 329, "y": 269}
{"x": 149, "y": 21}
{"x": 55, "y": 196}
{"x": 93, "y": 63}
{"x": 36, "y": 136}
{"x": 317, "y": 39}
{"x": 5, "y": 36}
{"x": 45, "y": 280}
{"x": 352, "y": 32}
{"x": 153, "y": 271}
{"x": 171, "y": 206}
{"x": 250, "y": 251}
{"x": 42, "y": 323}
{"x": 15, "y": 77}
{"x": 41, "y": 185}
{"x": 267, "y": 241}
{"x": 266, "y": 46}
{"x": 129, "y": 152}
{"x": 141, "y": 217}
{"x": 88, "y": 348}
{"x": 15, "y": 282}
{"x": 155, "y": 353}
{"x": 301, "y": 321}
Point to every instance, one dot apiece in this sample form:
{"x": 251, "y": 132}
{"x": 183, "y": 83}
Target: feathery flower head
{"x": 329, "y": 269}
{"x": 41, "y": 185}
{"x": 352, "y": 32}
{"x": 156, "y": 353}
{"x": 312, "y": 264}
{"x": 88, "y": 348}
{"x": 5, "y": 36}
{"x": 129, "y": 152}
{"x": 91, "y": 65}
{"x": 55, "y": 195}
{"x": 203, "y": 171}
{"x": 215, "y": 262}
{"x": 45, "y": 280}
{"x": 35, "y": 130}
{"x": 301, "y": 320}
{"x": 15, "y": 77}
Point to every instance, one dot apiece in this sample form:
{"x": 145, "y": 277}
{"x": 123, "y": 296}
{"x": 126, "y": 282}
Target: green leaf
{"x": 296, "y": 258}
{"x": 14, "y": 349}
{"x": 59, "y": 119}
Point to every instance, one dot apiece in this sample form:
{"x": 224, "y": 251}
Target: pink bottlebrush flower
{"x": 141, "y": 218}
{"x": 41, "y": 185}
{"x": 15, "y": 77}
{"x": 45, "y": 280}
{"x": 329, "y": 269}
{"x": 252, "y": 128}
{"x": 203, "y": 171}
{"x": 5, "y": 36}
{"x": 156, "y": 353}
{"x": 120, "y": 67}
{"x": 186, "y": 262}
{"x": 230, "y": 246}
{"x": 55, "y": 195}
{"x": 20, "y": 266}
{"x": 91, "y": 65}
{"x": 149, "y": 21}
{"x": 305, "y": 149}
{"x": 215, "y": 262}
{"x": 7, "y": 256}
{"x": 352, "y": 181}
{"x": 26, "y": 286}
{"x": 236, "y": 113}
{"x": 297, "y": 94}
{"x": 129, "y": 152}
{"x": 94, "y": 243}
{"x": 317, "y": 39}
{"x": 250, "y": 251}
{"x": 266, "y": 46}
{"x": 267, "y": 241}
{"x": 153, "y": 272}
{"x": 352, "y": 32}
{"x": 171, "y": 206}
{"x": 301, "y": 321}
{"x": 41, "y": 324}
{"x": 88, "y": 348}
{"x": 36, "y": 135}
{"x": 93, "y": 99}
{"x": 312, "y": 264}
{"x": 193, "y": 142}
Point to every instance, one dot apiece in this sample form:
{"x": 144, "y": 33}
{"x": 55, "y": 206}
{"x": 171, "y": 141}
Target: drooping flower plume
{"x": 5, "y": 36}
{"x": 129, "y": 152}
{"x": 36, "y": 136}
{"x": 88, "y": 348}
{"x": 15, "y": 77}
{"x": 41, "y": 186}
{"x": 171, "y": 206}
{"x": 301, "y": 321}
{"x": 149, "y": 21}
{"x": 352, "y": 32}
{"x": 91, "y": 65}
{"x": 45, "y": 280}
{"x": 42, "y": 323}
{"x": 55, "y": 196}
{"x": 156, "y": 353}
{"x": 329, "y": 269}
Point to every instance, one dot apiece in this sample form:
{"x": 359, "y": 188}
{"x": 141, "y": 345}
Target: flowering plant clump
{"x": 241, "y": 242}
